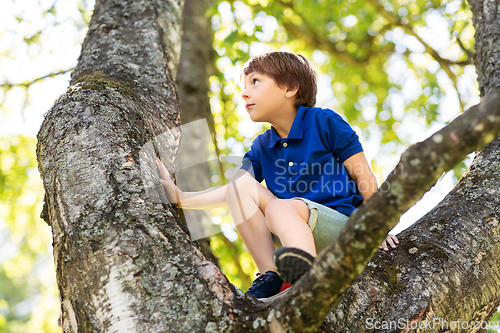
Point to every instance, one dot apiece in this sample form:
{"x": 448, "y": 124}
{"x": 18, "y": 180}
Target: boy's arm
{"x": 358, "y": 168}
{"x": 207, "y": 199}
{"x": 210, "y": 198}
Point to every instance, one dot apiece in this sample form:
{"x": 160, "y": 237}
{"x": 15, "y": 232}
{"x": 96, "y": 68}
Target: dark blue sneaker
{"x": 292, "y": 263}
{"x": 267, "y": 285}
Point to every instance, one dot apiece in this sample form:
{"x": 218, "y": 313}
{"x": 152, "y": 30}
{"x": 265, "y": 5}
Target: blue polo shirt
{"x": 309, "y": 162}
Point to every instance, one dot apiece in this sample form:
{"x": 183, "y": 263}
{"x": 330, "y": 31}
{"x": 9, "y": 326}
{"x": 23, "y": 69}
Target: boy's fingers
{"x": 394, "y": 240}
{"x": 390, "y": 242}
{"x": 163, "y": 170}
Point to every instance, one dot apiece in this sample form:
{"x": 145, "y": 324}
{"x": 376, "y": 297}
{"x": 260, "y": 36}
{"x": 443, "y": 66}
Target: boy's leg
{"x": 247, "y": 200}
{"x": 287, "y": 219}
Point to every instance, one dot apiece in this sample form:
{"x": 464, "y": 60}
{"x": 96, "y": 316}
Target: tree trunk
{"x": 124, "y": 261}
{"x": 195, "y": 68}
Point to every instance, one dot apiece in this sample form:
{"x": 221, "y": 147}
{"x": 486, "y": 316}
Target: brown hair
{"x": 289, "y": 70}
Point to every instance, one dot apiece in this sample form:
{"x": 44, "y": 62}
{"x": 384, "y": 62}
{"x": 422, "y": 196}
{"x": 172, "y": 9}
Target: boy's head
{"x": 287, "y": 70}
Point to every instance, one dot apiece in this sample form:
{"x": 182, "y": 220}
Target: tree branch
{"x": 27, "y": 84}
{"x": 409, "y": 29}
{"x": 469, "y": 53}
{"x": 336, "y": 267}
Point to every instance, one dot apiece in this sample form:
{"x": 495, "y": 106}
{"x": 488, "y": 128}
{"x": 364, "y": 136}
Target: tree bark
{"x": 125, "y": 263}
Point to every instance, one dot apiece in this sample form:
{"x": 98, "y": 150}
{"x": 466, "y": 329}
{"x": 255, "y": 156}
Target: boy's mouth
{"x": 247, "y": 106}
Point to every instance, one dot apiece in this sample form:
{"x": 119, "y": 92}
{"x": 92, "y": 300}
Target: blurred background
{"x": 397, "y": 70}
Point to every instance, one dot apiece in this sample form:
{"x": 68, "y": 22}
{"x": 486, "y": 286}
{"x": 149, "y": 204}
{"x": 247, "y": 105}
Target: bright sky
{"x": 60, "y": 51}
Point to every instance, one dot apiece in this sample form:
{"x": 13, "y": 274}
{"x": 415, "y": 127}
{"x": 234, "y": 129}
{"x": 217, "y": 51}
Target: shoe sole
{"x": 292, "y": 263}
{"x": 269, "y": 299}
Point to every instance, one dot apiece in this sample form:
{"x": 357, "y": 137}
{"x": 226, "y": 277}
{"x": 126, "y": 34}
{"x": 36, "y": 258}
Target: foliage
{"x": 234, "y": 259}
{"x": 32, "y": 34}
{"x": 494, "y": 321}
{"x": 27, "y": 289}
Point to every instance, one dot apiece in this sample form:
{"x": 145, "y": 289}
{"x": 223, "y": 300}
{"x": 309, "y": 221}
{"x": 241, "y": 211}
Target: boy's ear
{"x": 291, "y": 91}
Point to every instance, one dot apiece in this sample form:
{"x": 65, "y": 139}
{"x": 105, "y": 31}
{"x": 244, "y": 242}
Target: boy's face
{"x": 264, "y": 99}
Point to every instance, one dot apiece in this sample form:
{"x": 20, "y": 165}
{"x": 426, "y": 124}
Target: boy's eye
{"x": 255, "y": 80}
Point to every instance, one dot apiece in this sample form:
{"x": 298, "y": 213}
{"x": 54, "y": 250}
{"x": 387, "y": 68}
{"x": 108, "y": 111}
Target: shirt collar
{"x": 295, "y": 132}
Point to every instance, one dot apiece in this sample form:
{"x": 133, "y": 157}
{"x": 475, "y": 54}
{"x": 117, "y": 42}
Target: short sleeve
{"x": 251, "y": 162}
{"x": 341, "y": 138}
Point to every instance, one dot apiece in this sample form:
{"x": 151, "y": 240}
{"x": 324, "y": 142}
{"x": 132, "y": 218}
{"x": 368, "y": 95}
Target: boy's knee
{"x": 273, "y": 207}
{"x": 275, "y": 210}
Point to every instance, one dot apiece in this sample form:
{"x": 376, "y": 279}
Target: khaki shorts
{"x": 325, "y": 223}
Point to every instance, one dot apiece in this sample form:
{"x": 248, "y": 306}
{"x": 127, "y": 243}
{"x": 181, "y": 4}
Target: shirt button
{"x": 290, "y": 163}
{"x": 285, "y": 144}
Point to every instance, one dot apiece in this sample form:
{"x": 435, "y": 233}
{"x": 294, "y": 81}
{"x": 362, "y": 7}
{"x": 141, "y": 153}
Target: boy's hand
{"x": 172, "y": 190}
{"x": 390, "y": 240}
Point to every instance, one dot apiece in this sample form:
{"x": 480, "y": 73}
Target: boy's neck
{"x": 284, "y": 123}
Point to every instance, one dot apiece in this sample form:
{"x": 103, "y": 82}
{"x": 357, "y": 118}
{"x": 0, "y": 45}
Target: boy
{"x": 313, "y": 164}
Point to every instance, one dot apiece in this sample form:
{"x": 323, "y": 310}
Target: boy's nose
{"x": 244, "y": 94}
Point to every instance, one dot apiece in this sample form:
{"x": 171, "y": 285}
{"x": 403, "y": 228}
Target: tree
{"x": 196, "y": 54}
{"x": 125, "y": 262}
